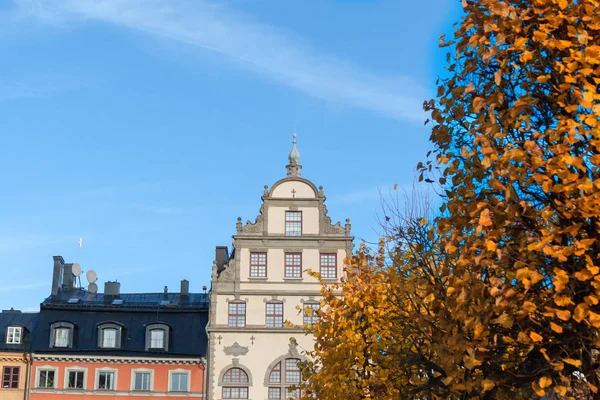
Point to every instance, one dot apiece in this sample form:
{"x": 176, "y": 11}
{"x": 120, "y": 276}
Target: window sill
{"x": 257, "y": 278}
{"x": 293, "y": 279}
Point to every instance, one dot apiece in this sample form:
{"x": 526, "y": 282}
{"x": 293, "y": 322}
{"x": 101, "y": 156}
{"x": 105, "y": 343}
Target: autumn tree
{"x": 517, "y": 144}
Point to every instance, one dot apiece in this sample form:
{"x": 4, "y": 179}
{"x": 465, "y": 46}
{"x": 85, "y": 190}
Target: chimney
{"x": 112, "y": 288}
{"x": 221, "y": 256}
{"x": 185, "y": 288}
{"x": 57, "y": 274}
{"x": 68, "y": 277}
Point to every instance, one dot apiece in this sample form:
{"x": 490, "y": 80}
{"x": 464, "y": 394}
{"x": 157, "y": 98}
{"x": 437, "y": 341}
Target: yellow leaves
{"x": 563, "y": 301}
{"x": 580, "y": 312}
{"x": 545, "y": 381}
{"x": 491, "y": 245}
{"x": 583, "y": 275}
{"x": 484, "y": 218}
{"x": 535, "y": 337}
{"x": 478, "y": 104}
{"x": 538, "y": 390}
{"x": 562, "y": 390}
{"x": 564, "y": 315}
{"x": 498, "y": 77}
{"x": 487, "y": 385}
{"x": 543, "y": 78}
{"x": 520, "y": 43}
{"x": 561, "y": 278}
{"x": 505, "y": 320}
{"x": 529, "y": 307}
{"x": 573, "y": 362}
{"x": 594, "y": 319}
{"x": 556, "y": 328}
{"x": 563, "y": 4}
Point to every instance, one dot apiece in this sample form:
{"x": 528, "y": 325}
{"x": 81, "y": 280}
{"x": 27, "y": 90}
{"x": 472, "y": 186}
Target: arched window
{"x": 61, "y": 334}
{"x": 283, "y": 375}
{"x": 235, "y": 384}
{"x": 109, "y": 335}
{"x": 157, "y": 337}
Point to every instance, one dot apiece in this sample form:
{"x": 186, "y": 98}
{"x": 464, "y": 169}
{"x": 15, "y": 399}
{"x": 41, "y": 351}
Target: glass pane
{"x": 292, "y": 371}
{"x": 274, "y": 393}
{"x": 157, "y": 339}
{"x": 142, "y": 381}
{"x": 275, "y": 376}
{"x": 179, "y": 382}
{"x": 109, "y": 338}
{"x": 106, "y": 380}
{"x": 61, "y": 337}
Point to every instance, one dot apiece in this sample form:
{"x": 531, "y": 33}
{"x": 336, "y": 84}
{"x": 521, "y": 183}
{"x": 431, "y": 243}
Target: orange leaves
{"x": 484, "y": 218}
{"x": 536, "y": 337}
{"x": 561, "y": 278}
{"x": 556, "y": 328}
{"x": 573, "y": 362}
{"x": 564, "y": 315}
{"x": 478, "y": 103}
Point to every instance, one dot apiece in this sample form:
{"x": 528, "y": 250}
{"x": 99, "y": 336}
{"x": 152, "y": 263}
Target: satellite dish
{"x": 76, "y": 268}
{"x": 93, "y": 288}
{"x": 91, "y": 276}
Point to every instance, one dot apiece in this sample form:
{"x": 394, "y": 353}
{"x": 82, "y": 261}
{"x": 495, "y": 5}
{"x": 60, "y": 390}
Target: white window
{"x": 179, "y": 381}
{"x": 142, "y": 380}
{"x": 293, "y": 223}
{"x": 293, "y": 265}
{"x": 106, "y": 380}
{"x": 109, "y": 338}
{"x": 274, "y": 315}
{"x": 237, "y": 315}
{"x": 311, "y": 313}
{"x": 284, "y": 375}
{"x": 157, "y": 339}
{"x": 235, "y": 384}
{"x": 61, "y": 337}
{"x": 14, "y": 335}
{"x": 328, "y": 267}
{"x": 258, "y": 265}
{"x": 75, "y": 379}
{"x": 46, "y": 378}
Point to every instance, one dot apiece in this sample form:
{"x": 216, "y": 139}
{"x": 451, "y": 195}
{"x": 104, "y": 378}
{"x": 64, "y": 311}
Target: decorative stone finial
{"x": 294, "y": 167}
{"x": 348, "y": 226}
{"x": 266, "y": 191}
{"x": 238, "y": 225}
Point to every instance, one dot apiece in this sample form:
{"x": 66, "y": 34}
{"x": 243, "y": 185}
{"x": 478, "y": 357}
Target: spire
{"x": 294, "y": 167}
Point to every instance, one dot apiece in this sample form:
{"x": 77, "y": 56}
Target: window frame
{"x": 15, "y": 328}
{"x": 236, "y": 316}
{"x": 99, "y": 371}
{"x": 54, "y": 327}
{"x": 292, "y": 266}
{"x": 312, "y": 318}
{"x": 235, "y": 384}
{"x": 11, "y": 375}
{"x": 166, "y": 336}
{"x": 283, "y": 385}
{"x": 258, "y": 266}
{"x": 46, "y": 368}
{"x": 68, "y": 370}
{"x": 102, "y": 326}
{"x": 288, "y": 232}
{"x": 142, "y": 371}
{"x": 334, "y": 267}
{"x": 183, "y": 372}
{"x": 274, "y": 316}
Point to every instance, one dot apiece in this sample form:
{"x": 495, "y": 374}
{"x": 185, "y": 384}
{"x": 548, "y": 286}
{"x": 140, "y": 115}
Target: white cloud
{"x": 256, "y": 46}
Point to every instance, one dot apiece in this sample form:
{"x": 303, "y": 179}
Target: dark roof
{"x": 79, "y": 298}
{"x": 17, "y": 318}
{"x": 187, "y": 332}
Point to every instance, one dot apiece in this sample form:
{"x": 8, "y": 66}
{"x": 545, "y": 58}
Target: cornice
{"x": 118, "y": 359}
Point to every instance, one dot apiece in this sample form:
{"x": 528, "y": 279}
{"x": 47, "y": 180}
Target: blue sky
{"x": 148, "y": 126}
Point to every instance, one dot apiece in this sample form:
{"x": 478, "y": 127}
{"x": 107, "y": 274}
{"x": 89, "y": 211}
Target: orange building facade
{"x": 157, "y": 378}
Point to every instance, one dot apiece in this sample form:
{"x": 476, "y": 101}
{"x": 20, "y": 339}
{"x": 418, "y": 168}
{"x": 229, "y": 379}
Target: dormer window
{"x": 61, "y": 334}
{"x": 109, "y": 335}
{"x": 293, "y": 223}
{"x": 157, "y": 337}
{"x": 14, "y": 335}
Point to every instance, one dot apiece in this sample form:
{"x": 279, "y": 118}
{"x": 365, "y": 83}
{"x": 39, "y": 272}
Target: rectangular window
{"x": 274, "y": 393}
{"x": 258, "y": 265}
{"x": 293, "y": 223}
{"x": 157, "y": 339}
{"x": 328, "y": 266}
{"x": 235, "y": 392}
{"x": 109, "y": 338}
{"x": 293, "y": 265}
{"x": 46, "y": 378}
{"x": 292, "y": 371}
{"x": 75, "y": 379}
{"x": 61, "y": 337}
{"x": 274, "y": 315}
{"x": 237, "y": 315}
{"x": 10, "y": 378}
{"x": 106, "y": 380}
{"x": 14, "y": 335}
{"x": 179, "y": 382}
{"x": 141, "y": 381}
{"x": 310, "y": 313}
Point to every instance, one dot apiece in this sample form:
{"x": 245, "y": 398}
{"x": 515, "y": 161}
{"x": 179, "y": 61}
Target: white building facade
{"x": 265, "y": 283}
